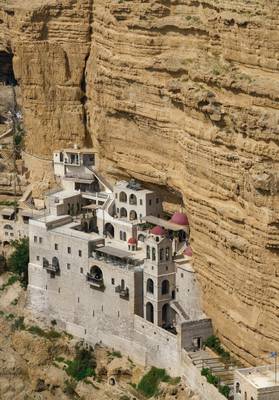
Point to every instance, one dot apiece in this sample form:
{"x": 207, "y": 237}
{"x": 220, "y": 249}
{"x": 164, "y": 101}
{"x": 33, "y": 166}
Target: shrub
{"x": 18, "y": 324}
{"x": 224, "y": 390}
{"x": 36, "y": 330}
{"x": 18, "y": 261}
{"x": 214, "y": 343}
{"x": 82, "y": 366}
{"x": 149, "y": 383}
{"x": 12, "y": 279}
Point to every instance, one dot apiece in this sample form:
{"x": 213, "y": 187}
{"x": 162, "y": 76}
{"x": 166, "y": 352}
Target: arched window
{"x": 148, "y": 252}
{"x": 96, "y": 273}
{"x": 123, "y": 212}
{"x": 9, "y": 227}
{"x": 121, "y": 235}
{"x": 122, "y": 284}
{"x": 141, "y": 238}
{"x": 109, "y": 230}
{"x": 237, "y": 387}
{"x": 167, "y": 254}
{"x": 149, "y": 286}
{"x": 245, "y": 396}
{"x": 55, "y": 263}
{"x": 133, "y": 215}
{"x": 165, "y": 287}
{"x": 162, "y": 254}
{"x": 133, "y": 199}
{"x": 149, "y": 312}
{"x": 124, "y": 236}
{"x": 153, "y": 254}
{"x": 123, "y": 197}
{"x": 45, "y": 263}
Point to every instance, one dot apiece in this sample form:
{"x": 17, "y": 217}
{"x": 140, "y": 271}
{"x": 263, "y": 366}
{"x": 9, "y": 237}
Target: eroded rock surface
{"x": 179, "y": 94}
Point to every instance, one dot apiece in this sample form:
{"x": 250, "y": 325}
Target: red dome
{"x": 179, "y": 219}
{"x": 158, "y": 230}
{"x": 132, "y": 241}
{"x": 188, "y": 252}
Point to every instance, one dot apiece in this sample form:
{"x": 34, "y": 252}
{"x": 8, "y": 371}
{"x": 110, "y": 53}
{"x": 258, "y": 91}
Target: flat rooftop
{"x": 261, "y": 377}
{"x": 64, "y": 194}
{"x": 68, "y": 230}
{"x": 125, "y": 185}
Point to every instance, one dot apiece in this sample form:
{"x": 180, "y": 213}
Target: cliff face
{"x": 181, "y": 94}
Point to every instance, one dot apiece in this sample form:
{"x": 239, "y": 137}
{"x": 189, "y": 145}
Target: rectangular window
{"x": 69, "y": 250}
{"x": 167, "y": 254}
{"x": 38, "y": 258}
{"x": 182, "y": 275}
{"x": 81, "y": 270}
{"x": 150, "y": 202}
{"x": 112, "y": 281}
{"x": 56, "y": 246}
{"x": 35, "y": 239}
{"x": 68, "y": 266}
{"x": 140, "y": 202}
{"x": 157, "y": 200}
{"x": 80, "y": 253}
{"x": 40, "y": 240}
{"x": 11, "y": 234}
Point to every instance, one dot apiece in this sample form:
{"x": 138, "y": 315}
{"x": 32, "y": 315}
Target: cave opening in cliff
{"x": 7, "y": 76}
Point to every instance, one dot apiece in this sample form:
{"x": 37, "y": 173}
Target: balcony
{"x": 123, "y": 293}
{"x": 95, "y": 281}
{"x": 52, "y": 268}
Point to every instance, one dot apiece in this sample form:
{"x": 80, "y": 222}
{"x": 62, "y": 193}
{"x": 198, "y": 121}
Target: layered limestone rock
{"x": 183, "y": 95}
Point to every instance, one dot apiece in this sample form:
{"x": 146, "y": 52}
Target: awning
{"x": 165, "y": 224}
{"x": 7, "y": 212}
{"x": 90, "y": 207}
{"x": 112, "y": 251}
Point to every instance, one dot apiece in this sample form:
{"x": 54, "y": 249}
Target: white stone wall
{"x": 188, "y": 293}
{"x": 253, "y": 392}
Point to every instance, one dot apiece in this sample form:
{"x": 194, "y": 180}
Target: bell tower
{"x": 159, "y": 278}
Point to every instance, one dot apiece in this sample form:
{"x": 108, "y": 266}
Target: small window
{"x": 153, "y": 254}
{"x": 150, "y": 202}
{"x": 69, "y": 250}
{"x": 56, "y": 246}
{"x": 6, "y": 233}
{"x": 141, "y": 202}
{"x": 124, "y": 236}
{"x": 78, "y": 299}
{"x": 157, "y": 200}
{"x": 40, "y": 240}
{"x": 81, "y": 270}
{"x": 11, "y": 234}
{"x": 112, "y": 281}
{"x": 117, "y": 210}
{"x": 167, "y": 254}
{"x": 58, "y": 290}
{"x": 162, "y": 254}
{"x": 80, "y": 253}
{"x": 181, "y": 275}
{"x": 68, "y": 266}
{"x": 38, "y": 258}
{"x": 121, "y": 235}
{"x": 167, "y": 268}
{"x": 35, "y": 239}
{"x": 148, "y": 252}
{"x": 116, "y": 195}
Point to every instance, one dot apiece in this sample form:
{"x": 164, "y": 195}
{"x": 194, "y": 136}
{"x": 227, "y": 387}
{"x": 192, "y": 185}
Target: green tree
{"x": 18, "y": 261}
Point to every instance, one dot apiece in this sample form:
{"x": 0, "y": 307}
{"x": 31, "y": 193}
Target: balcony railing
{"x": 51, "y": 268}
{"x": 94, "y": 281}
{"x": 123, "y": 293}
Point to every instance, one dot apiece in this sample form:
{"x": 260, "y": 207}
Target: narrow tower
{"x": 159, "y": 278}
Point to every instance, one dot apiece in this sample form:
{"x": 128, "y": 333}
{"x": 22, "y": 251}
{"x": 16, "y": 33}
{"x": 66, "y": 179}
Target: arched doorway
{"x": 123, "y": 212}
{"x": 166, "y": 317}
{"x": 123, "y": 197}
{"x": 109, "y": 230}
{"x": 133, "y": 199}
{"x": 96, "y": 273}
{"x": 133, "y": 215}
{"x": 165, "y": 287}
{"x": 150, "y": 312}
{"x": 150, "y": 286}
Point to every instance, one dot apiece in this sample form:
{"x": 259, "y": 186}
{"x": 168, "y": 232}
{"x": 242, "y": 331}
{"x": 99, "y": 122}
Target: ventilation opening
{"x": 7, "y": 76}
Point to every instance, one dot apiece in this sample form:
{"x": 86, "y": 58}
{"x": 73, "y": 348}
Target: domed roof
{"x": 188, "y": 252}
{"x": 132, "y": 241}
{"x": 158, "y": 231}
{"x": 179, "y": 219}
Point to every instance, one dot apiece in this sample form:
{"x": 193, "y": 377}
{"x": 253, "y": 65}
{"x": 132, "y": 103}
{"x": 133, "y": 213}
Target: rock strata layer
{"x": 183, "y": 95}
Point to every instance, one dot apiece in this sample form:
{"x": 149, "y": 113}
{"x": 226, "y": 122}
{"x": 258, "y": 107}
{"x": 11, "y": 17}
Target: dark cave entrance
{"x": 7, "y": 76}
